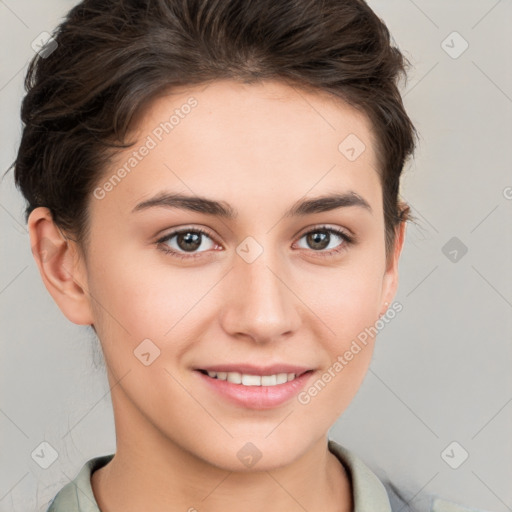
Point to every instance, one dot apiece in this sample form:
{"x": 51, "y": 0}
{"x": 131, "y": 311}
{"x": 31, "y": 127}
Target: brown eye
{"x": 318, "y": 240}
{"x": 323, "y": 238}
{"x": 189, "y": 240}
{"x": 186, "y": 241}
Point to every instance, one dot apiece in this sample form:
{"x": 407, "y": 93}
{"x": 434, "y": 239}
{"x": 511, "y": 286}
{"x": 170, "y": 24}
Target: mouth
{"x": 251, "y": 379}
{"x": 255, "y": 388}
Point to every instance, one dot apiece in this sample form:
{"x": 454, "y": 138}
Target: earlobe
{"x": 61, "y": 267}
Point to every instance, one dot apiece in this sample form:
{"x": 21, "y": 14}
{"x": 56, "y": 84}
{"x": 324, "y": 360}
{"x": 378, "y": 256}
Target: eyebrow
{"x": 222, "y": 209}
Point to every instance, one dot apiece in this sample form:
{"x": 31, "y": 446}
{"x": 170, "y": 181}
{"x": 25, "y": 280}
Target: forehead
{"x": 267, "y": 139}
{"x": 264, "y": 110}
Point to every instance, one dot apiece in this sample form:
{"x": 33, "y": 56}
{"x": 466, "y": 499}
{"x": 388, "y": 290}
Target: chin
{"x": 253, "y": 453}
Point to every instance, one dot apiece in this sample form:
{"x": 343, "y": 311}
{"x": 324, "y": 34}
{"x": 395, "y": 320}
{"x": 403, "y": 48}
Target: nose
{"x": 259, "y": 301}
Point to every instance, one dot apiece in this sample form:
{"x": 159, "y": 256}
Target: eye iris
{"x": 189, "y": 237}
{"x": 318, "y": 240}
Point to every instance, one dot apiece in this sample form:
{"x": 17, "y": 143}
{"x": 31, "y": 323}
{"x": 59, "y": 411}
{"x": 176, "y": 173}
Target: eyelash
{"x": 347, "y": 240}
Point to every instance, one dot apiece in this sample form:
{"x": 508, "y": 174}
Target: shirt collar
{"x": 367, "y": 490}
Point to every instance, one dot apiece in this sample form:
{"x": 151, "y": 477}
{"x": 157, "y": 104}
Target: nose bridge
{"x": 259, "y": 304}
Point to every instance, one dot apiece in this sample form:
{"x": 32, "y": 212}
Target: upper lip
{"x": 251, "y": 369}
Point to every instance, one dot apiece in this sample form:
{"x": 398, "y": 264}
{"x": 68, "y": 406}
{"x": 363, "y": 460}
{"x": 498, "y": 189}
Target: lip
{"x": 256, "y": 397}
{"x": 256, "y": 370}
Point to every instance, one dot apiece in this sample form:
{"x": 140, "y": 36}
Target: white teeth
{"x": 234, "y": 377}
{"x": 253, "y": 380}
{"x": 282, "y": 378}
{"x": 269, "y": 380}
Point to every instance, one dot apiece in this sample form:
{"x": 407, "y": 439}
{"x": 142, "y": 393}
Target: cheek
{"x": 347, "y": 301}
{"x": 144, "y": 300}
{"x": 348, "y": 304}
{"x": 349, "y": 353}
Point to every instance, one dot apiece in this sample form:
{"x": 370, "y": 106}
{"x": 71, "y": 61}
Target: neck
{"x": 144, "y": 478}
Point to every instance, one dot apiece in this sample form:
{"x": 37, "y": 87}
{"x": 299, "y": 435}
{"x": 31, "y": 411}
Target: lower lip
{"x": 257, "y": 397}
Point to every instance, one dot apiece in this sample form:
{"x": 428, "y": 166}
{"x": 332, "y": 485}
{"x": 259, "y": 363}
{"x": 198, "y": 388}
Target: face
{"x": 248, "y": 282}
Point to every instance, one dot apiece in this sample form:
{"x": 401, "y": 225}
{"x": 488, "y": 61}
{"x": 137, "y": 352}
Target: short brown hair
{"x": 113, "y": 56}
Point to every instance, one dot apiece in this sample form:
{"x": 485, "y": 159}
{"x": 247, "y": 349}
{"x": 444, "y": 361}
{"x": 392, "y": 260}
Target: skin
{"x": 260, "y": 148}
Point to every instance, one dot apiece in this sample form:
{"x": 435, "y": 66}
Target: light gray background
{"x": 442, "y": 369}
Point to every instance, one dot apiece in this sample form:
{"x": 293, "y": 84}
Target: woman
{"x": 213, "y": 186}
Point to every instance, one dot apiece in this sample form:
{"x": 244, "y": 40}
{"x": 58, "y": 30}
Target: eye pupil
{"x": 189, "y": 237}
{"x": 318, "y": 240}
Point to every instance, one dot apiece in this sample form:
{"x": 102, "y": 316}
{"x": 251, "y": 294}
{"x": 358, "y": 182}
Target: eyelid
{"x": 319, "y": 227}
{"x": 177, "y": 231}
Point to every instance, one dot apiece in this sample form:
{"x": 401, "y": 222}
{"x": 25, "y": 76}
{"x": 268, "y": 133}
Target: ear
{"x": 390, "y": 281}
{"x": 61, "y": 267}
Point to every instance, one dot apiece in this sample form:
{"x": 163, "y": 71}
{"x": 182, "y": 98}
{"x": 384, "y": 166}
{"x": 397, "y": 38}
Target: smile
{"x": 253, "y": 391}
{"x": 246, "y": 379}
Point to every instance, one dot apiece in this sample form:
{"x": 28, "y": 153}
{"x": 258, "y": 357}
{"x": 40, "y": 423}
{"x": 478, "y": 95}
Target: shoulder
{"x": 432, "y": 504}
{"x": 370, "y": 493}
{"x": 77, "y": 495}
